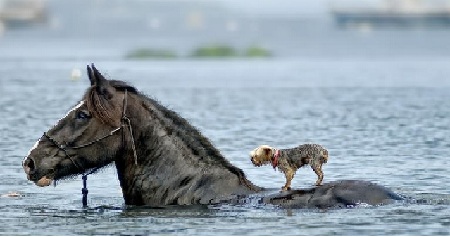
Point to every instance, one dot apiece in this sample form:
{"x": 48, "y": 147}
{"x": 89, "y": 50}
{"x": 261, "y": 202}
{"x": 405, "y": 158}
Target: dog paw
{"x": 285, "y": 188}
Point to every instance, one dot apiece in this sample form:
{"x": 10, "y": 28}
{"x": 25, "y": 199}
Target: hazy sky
{"x": 279, "y": 6}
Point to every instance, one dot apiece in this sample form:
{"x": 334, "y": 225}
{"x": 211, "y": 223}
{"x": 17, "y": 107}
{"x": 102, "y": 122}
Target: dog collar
{"x": 275, "y": 159}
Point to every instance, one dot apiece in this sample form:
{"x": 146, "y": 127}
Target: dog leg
{"x": 318, "y": 170}
{"x": 289, "y": 173}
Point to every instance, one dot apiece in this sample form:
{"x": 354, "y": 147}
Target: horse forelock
{"x": 107, "y": 110}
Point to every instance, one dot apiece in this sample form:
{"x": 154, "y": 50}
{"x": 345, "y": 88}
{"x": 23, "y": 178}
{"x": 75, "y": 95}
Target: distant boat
{"x": 393, "y": 13}
{"x": 15, "y": 13}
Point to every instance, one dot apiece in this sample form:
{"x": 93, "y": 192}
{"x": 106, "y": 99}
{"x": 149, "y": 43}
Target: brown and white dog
{"x": 290, "y": 160}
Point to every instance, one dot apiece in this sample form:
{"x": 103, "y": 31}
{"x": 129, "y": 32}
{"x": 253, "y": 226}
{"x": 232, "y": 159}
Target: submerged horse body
{"x": 160, "y": 158}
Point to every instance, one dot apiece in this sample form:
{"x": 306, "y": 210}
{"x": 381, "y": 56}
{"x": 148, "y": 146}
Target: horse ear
{"x": 99, "y": 81}
{"x": 91, "y": 76}
{"x": 95, "y": 76}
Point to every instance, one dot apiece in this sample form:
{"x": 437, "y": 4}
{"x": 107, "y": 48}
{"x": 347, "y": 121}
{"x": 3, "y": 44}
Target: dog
{"x": 288, "y": 161}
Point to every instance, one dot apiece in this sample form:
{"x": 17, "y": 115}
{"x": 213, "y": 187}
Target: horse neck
{"x": 176, "y": 164}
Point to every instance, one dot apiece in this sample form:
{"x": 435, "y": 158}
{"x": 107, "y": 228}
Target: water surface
{"x": 378, "y": 130}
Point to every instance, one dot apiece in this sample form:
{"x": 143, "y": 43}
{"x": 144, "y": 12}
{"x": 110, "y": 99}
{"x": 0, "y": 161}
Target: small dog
{"x": 289, "y": 161}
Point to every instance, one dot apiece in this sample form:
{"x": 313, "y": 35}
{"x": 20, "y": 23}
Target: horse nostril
{"x": 29, "y": 163}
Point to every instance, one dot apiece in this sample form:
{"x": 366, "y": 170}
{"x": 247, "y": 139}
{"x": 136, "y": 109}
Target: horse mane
{"x": 196, "y": 142}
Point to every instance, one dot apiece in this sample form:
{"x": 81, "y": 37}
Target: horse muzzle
{"x": 29, "y": 166}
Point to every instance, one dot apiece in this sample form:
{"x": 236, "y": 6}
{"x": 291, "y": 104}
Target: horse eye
{"x": 82, "y": 115}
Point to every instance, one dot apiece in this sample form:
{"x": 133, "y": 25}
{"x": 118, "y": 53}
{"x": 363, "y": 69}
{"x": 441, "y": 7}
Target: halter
{"x": 125, "y": 122}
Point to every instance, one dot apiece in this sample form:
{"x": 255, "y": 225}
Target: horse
{"x": 161, "y": 159}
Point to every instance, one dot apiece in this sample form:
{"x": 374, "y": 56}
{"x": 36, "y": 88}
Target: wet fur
{"x": 176, "y": 164}
{"x": 160, "y": 123}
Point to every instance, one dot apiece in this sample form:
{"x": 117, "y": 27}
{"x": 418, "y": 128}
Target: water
{"x": 379, "y": 104}
{"x": 396, "y": 136}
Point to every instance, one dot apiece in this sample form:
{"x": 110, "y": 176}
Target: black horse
{"x": 160, "y": 158}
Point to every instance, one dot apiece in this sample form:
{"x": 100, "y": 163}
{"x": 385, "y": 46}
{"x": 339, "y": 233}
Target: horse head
{"x": 77, "y": 142}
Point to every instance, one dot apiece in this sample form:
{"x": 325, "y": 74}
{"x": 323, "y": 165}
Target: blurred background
{"x": 180, "y": 29}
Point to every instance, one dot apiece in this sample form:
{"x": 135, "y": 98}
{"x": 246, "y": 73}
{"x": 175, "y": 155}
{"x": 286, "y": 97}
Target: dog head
{"x": 262, "y": 155}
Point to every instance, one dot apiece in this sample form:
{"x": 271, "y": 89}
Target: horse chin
{"x": 44, "y": 181}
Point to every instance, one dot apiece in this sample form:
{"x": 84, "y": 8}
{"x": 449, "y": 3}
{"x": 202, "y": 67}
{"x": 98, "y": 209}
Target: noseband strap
{"x": 125, "y": 122}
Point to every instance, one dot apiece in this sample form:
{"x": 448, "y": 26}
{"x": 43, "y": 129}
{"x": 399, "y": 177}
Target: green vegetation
{"x": 223, "y": 51}
{"x": 208, "y": 51}
{"x": 219, "y": 51}
{"x": 257, "y": 51}
{"x": 145, "y": 53}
